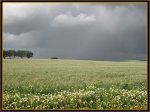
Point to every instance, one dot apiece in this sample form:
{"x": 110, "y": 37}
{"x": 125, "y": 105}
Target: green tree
{"x": 21, "y": 53}
{"x": 29, "y": 54}
{"x": 5, "y": 53}
{"x": 15, "y": 54}
{"x": 24, "y": 53}
{"x": 54, "y": 57}
{"x": 11, "y": 53}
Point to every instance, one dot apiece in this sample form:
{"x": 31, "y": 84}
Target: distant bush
{"x": 54, "y": 57}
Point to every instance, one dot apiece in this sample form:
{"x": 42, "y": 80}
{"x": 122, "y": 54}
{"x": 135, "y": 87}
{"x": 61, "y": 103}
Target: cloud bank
{"x": 67, "y": 20}
{"x": 77, "y": 31}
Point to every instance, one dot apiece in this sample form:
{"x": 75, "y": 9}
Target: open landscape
{"x": 74, "y": 84}
{"x": 73, "y": 55}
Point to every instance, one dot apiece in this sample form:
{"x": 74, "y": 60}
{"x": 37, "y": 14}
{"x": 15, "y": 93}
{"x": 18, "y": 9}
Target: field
{"x": 74, "y": 84}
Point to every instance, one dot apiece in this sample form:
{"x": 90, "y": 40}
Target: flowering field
{"x": 74, "y": 84}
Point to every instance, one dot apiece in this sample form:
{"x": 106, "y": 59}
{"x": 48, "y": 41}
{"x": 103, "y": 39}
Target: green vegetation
{"x": 54, "y": 57}
{"x": 74, "y": 84}
{"x": 19, "y": 53}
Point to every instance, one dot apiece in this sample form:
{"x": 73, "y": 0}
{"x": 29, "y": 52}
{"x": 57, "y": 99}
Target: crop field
{"x": 74, "y": 84}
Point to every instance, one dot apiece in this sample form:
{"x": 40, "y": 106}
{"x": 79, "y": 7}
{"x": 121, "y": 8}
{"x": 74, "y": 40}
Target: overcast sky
{"x": 76, "y": 30}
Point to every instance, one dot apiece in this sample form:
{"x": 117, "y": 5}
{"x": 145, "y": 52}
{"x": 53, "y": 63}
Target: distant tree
{"x": 24, "y": 53}
{"x": 54, "y": 57}
{"x": 11, "y": 53}
{"x": 5, "y": 53}
{"x": 15, "y": 54}
{"x": 29, "y": 54}
{"x": 21, "y": 53}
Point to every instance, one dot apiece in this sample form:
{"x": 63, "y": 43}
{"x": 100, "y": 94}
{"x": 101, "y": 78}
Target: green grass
{"x": 74, "y": 84}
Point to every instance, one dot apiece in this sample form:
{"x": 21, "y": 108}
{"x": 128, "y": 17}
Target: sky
{"x": 94, "y": 31}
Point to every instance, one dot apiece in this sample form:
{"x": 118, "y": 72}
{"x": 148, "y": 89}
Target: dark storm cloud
{"x": 81, "y": 31}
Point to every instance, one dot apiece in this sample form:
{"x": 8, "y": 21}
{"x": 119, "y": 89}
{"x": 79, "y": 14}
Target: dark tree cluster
{"x": 54, "y": 57}
{"x": 19, "y": 53}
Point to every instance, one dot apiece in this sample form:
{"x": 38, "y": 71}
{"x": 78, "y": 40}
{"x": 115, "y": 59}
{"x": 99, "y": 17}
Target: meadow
{"x": 74, "y": 84}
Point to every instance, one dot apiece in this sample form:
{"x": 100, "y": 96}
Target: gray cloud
{"x": 67, "y": 20}
{"x": 80, "y": 31}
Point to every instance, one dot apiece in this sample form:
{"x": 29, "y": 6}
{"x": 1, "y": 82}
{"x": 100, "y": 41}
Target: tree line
{"x": 19, "y": 53}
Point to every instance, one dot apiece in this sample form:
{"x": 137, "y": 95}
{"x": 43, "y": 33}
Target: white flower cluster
{"x": 89, "y": 98}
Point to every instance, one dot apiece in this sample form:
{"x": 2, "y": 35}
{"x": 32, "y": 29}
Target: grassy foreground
{"x": 74, "y": 84}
